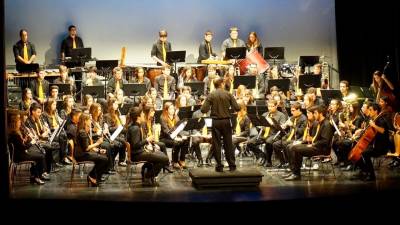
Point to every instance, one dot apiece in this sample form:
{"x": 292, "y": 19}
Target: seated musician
{"x": 267, "y": 135}
{"x": 53, "y": 92}
{"x": 254, "y": 44}
{"x": 121, "y": 99}
{"x": 335, "y": 111}
{"x": 378, "y": 146}
{"x": 314, "y": 97}
{"x": 41, "y": 129}
{"x": 248, "y": 97}
{"x": 140, "y": 78}
{"x": 72, "y": 123}
{"x": 68, "y": 105}
{"x": 116, "y": 82}
{"x": 91, "y": 77}
{"x": 205, "y": 48}
{"x": 136, "y": 138}
{"x": 51, "y": 117}
{"x": 344, "y": 87}
{"x": 241, "y": 125}
{"x": 187, "y": 92}
{"x": 386, "y": 109}
{"x": 228, "y": 79}
{"x": 87, "y": 101}
{"x": 186, "y": 76}
{"x": 165, "y": 84}
{"x": 24, "y": 50}
{"x": 26, "y": 100}
{"x": 40, "y": 87}
{"x": 86, "y": 150}
{"x": 240, "y": 92}
{"x": 160, "y": 49}
{"x": 320, "y": 144}
{"x": 64, "y": 79}
{"x": 169, "y": 119}
{"x": 233, "y": 41}
{"x": 208, "y": 80}
{"x": 26, "y": 148}
{"x": 297, "y": 124}
{"x": 260, "y": 82}
{"x": 155, "y": 99}
{"x": 114, "y": 119}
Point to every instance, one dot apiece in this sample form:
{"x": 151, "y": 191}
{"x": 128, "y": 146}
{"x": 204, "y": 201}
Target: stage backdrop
{"x": 303, "y": 27}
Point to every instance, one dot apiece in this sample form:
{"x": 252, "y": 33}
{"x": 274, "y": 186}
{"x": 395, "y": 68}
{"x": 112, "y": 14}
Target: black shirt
{"x": 220, "y": 101}
{"x": 157, "y": 51}
{"x": 18, "y": 49}
{"x": 67, "y": 44}
{"x": 381, "y": 141}
{"x": 324, "y": 135}
{"x": 135, "y": 139}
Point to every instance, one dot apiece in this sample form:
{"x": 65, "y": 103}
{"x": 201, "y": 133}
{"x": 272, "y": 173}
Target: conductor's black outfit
{"x": 220, "y": 101}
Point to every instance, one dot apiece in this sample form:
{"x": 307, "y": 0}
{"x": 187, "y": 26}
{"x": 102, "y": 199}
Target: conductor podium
{"x": 208, "y": 178}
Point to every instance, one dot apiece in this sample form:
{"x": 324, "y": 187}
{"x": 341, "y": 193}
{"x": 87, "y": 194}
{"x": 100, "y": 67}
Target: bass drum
{"x": 287, "y": 71}
{"x": 152, "y": 73}
{"x": 253, "y": 57}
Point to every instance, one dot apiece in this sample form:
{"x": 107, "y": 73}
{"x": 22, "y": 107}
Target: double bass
{"x": 365, "y": 140}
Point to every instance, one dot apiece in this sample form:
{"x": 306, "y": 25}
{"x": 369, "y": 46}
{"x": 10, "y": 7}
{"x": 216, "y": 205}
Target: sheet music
{"x": 178, "y": 130}
{"x": 208, "y": 122}
{"x": 116, "y": 133}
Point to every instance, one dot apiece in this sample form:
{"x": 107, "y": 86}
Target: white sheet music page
{"x": 178, "y": 130}
{"x": 116, "y": 132}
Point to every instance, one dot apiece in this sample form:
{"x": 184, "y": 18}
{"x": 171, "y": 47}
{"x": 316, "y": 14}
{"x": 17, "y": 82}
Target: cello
{"x": 367, "y": 137}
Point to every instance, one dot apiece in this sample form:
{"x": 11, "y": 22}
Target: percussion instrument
{"x": 287, "y": 70}
{"x": 253, "y": 57}
{"x": 222, "y": 62}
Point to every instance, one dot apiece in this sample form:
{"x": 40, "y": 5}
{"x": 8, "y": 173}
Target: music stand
{"x": 105, "y": 68}
{"x": 28, "y": 68}
{"x": 328, "y": 95}
{"x": 95, "y": 91}
{"x": 134, "y": 90}
{"x": 185, "y": 112}
{"x": 362, "y": 92}
{"x": 125, "y": 109}
{"x": 282, "y": 84}
{"x": 197, "y": 87}
{"x": 248, "y": 81}
{"x": 274, "y": 53}
{"x": 78, "y": 57}
{"x": 307, "y": 61}
{"x": 174, "y": 57}
{"x": 157, "y": 116}
{"x": 63, "y": 89}
{"x": 236, "y": 54}
{"x": 307, "y": 81}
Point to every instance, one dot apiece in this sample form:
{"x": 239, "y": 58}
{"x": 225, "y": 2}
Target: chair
{"x": 13, "y": 166}
{"x": 322, "y": 161}
{"x": 129, "y": 162}
{"x": 71, "y": 146}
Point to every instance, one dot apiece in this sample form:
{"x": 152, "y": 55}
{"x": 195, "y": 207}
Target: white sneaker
{"x": 315, "y": 167}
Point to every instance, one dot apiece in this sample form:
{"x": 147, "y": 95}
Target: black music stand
{"x": 63, "y": 89}
{"x": 185, "y": 112}
{"x": 28, "y": 68}
{"x": 307, "y": 81}
{"x": 307, "y": 61}
{"x": 157, "y": 116}
{"x": 174, "y": 57}
{"x": 236, "y": 54}
{"x": 362, "y": 92}
{"x": 95, "y": 91}
{"x": 248, "y": 81}
{"x": 282, "y": 84}
{"x": 197, "y": 87}
{"x": 134, "y": 90}
{"x": 274, "y": 53}
{"x": 328, "y": 95}
{"x": 257, "y": 109}
{"x": 79, "y": 56}
{"x": 125, "y": 108}
{"x": 105, "y": 68}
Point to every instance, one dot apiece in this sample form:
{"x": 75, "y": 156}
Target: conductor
{"x": 220, "y": 101}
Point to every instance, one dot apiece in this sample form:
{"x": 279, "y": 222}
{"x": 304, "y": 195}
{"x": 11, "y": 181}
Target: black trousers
{"x": 342, "y": 148}
{"x": 100, "y": 163}
{"x": 365, "y": 163}
{"x": 33, "y": 154}
{"x": 280, "y": 148}
{"x": 63, "y": 141}
{"x": 179, "y": 149}
{"x": 157, "y": 159}
{"x": 296, "y": 153}
{"x": 50, "y": 154}
{"x": 223, "y": 129}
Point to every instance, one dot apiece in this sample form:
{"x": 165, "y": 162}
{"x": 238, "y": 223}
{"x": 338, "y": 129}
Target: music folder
{"x": 178, "y": 129}
{"x": 116, "y": 133}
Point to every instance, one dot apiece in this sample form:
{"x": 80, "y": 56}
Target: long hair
{"x": 25, "y": 93}
{"x": 256, "y": 43}
{"x": 113, "y": 113}
{"x": 81, "y": 124}
{"x": 165, "y": 115}
{"x": 47, "y": 106}
{"x": 94, "y": 112}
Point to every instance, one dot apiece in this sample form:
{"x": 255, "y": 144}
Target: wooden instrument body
{"x": 362, "y": 144}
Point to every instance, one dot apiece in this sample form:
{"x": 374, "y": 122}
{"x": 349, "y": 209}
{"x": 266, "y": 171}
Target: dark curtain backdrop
{"x": 367, "y": 32}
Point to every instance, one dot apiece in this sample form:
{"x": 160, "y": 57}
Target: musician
{"x": 344, "y": 88}
{"x": 233, "y": 41}
{"x": 26, "y": 148}
{"x": 160, "y": 49}
{"x": 386, "y": 109}
{"x": 51, "y": 117}
{"x": 241, "y": 125}
{"x": 379, "y": 146}
{"x": 121, "y": 99}
{"x": 53, "y": 92}
{"x": 140, "y": 78}
{"x": 26, "y": 100}
{"x": 208, "y": 80}
{"x": 40, "y": 87}
{"x": 267, "y": 134}
{"x": 320, "y": 144}
{"x": 116, "y": 82}
{"x": 229, "y": 78}
{"x": 24, "y": 50}
{"x": 86, "y": 150}
{"x": 87, "y": 101}
{"x": 68, "y": 104}
{"x": 156, "y": 99}
{"x": 260, "y": 82}
{"x": 186, "y": 76}
{"x": 335, "y": 111}
{"x": 314, "y": 97}
{"x": 136, "y": 138}
{"x": 297, "y": 124}
{"x": 248, "y": 98}
{"x": 381, "y": 86}
{"x": 219, "y": 102}
{"x": 169, "y": 120}
{"x": 165, "y": 84}
{"x": 205, "y": 48}
{"x": 64, "y": 79}
{"x": 91, "y": 77}
{"x": 70, "y": 42}
{"x": 253, "y": 43}
{"x": 41, "y": 129}
{"x": 187, "y": 92}
{"x": 72, "y": 123}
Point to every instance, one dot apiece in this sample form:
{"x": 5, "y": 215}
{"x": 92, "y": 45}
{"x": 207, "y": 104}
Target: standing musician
{"x": 297, "y": 126}
{"x": 253, "y": 43}
{"x": 86, "y": 150}
{"x": 219, "y": 102}
{"x": 379, "y": 145}
{"x": 24, "y": 50}
{"x": 165, "y": 84}
{"x": 40, "y": 87}
{"x": 137, "y": 140}
{"x": 160, "y": 49}
{"x": 70, "y": 42}
{"x": 233, "y": 41}
{"x": 320, "y": 144}
{"x": 205, "y": 48}
{"x": 381, "y": 86}
{"x": 169, "y": 120}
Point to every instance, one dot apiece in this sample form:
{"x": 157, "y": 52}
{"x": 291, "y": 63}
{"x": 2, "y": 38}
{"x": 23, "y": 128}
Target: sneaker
{"x": 123, "y": 164}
